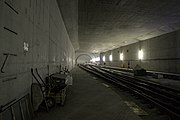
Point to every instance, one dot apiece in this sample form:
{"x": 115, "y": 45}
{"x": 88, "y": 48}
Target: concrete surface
{"x": 69, "y": 10}
{"x": 159, "y": 54}
{"x": 89, "y": 99}
{"x": 175, "y": 84}
{"x": 39, "y": 24}
{"x": 83, "y": 57}
{"x": 108, "y": 24}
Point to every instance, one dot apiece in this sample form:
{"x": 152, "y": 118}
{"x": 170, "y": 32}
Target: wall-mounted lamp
{"x": 140, "y": 54}
{"x": 110, "y": 57}
{"x": 121, "y": 56}
{"x": 104, "y": 59}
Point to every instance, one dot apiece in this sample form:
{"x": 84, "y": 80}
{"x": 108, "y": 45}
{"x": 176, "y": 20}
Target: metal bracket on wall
{"x": 5, "y": 60}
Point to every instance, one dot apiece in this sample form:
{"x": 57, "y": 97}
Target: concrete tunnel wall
{"x": 83, "y": 57}
{"x": 36, "y": 25}
{"x": 161, "y": 53}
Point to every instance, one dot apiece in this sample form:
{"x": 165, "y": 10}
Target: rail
{"x": 164, "y": 97}
{"x": 155, "y": 74}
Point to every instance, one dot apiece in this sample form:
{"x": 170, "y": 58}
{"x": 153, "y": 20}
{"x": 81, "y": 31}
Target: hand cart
{"x": 54, "y": 89}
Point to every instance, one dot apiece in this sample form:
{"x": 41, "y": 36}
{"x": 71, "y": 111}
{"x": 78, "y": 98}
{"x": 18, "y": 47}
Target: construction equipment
{"x": 47, "y": 101}
{"x": 53, "y": 90}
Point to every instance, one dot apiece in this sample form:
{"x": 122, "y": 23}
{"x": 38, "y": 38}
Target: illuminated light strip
{"x": 104, "y": 59}
{"x": 121, "y": 56}
{"x": 110, "y": 57}
{"x": 140, "y": 54}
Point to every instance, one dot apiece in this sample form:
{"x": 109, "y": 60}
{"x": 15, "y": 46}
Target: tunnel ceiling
{"x": 108, "y": 24}
{"x": 69, "y": 11}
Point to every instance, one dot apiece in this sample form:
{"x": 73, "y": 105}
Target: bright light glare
{"x": 95, "y": 59}
{"x": 104, "y": 59}
{"x": 140, "y": 54}
{"x": 121, "y": 56}
{"x": 110, "y": 57}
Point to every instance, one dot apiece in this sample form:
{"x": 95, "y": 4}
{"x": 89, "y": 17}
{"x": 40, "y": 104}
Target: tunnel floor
{"x": 89, "y": 99}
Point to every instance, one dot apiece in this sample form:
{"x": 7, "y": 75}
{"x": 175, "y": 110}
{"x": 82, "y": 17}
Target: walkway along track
{"x": 167, "y": 99}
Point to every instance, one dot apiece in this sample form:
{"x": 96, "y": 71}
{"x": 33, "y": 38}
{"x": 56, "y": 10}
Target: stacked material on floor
{"x": 52, "y": 91}
{"x": 139, "y": 71}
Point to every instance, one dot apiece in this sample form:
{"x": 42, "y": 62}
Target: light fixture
{"x": 140, "y": 54}
{"x": 104, "y": 59}
{"x": 95, "y": 59}
{"x": 121, "y": 56}
{"x": 110, "y": 57}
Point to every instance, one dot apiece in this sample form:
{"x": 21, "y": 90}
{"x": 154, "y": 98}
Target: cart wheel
{"x": 50, "y": 102}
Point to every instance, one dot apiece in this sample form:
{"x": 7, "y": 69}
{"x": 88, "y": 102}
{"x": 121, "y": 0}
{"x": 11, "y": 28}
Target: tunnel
{"x": 89, "y": 59}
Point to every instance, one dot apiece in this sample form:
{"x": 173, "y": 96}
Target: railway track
{"x": 165, "y": 98}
